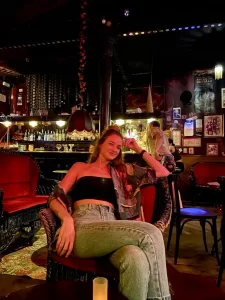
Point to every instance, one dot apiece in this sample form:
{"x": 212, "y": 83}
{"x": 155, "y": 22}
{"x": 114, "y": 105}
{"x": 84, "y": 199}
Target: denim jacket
{"x": 129, "y": 208}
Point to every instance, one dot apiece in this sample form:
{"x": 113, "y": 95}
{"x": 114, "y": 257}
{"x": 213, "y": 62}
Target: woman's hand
{"x": 65, "y": 241}
{"x": 132, "y": 144}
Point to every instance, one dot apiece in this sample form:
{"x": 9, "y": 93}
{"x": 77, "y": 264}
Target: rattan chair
{"x": 157, "y": 206}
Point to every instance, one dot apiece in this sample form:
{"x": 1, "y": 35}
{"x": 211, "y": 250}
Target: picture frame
{"x": 185, "y": 150}
{"x": 176, "y": 113}
{"x": 223, "y": 98}
{"x": 198, "y": 126}
{"x": 212, "y": 149}
{"x": 176, "y": 136}
{"x": 192, "y": 142}
{"x": 213, "y": 126}
{"x": 191, "y": 150}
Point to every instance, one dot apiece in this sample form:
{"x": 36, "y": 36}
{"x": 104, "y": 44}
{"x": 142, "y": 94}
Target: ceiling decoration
{"x": 174, "y": 29}
{"x": 6, "y": 71}
{"x": 82, "y": 53}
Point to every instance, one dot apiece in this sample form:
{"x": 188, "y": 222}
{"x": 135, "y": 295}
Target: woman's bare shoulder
{"x": 80, "y": 164}
{"x": 77, "y": 166}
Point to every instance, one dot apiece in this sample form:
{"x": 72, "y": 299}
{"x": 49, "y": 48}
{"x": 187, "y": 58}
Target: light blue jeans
{"x": 137, "y": 250}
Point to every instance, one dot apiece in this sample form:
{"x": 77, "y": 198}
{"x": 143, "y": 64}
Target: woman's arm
{"x": 160, "y": 170}
{"x": 159, "y": 142}
{"x": 65, "y": 241}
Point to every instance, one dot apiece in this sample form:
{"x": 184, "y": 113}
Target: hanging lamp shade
{"x": 80, "y": 120}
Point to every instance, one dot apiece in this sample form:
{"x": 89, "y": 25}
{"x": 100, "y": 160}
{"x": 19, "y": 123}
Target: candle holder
{"x": 100, "y": 288}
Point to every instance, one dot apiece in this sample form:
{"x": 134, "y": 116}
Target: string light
{"x": 174, "y": 29}
{"x": 82, "y": 59}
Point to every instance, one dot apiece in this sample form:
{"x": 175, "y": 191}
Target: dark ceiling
{"x": 37, "y": 34}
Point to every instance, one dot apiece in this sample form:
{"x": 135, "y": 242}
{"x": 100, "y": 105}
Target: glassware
{"x": 58, "y": 147}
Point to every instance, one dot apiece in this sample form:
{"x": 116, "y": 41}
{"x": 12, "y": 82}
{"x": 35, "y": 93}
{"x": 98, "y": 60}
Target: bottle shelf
{"x": 54, "y": 142}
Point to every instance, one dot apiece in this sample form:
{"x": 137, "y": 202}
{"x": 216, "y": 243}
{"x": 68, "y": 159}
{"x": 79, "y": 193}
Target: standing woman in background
{"x": 176, "y": 155}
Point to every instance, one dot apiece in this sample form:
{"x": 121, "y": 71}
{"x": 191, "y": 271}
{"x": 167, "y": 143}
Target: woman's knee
{"x": 130, "y": 257}
{"x": 151, "y": 230}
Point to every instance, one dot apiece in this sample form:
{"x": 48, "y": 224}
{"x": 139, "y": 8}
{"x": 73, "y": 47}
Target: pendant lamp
{"x": 80, "y": 120}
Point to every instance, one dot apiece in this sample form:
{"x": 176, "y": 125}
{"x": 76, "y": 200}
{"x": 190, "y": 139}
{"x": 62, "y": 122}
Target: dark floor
{"x": 192, "y": 259}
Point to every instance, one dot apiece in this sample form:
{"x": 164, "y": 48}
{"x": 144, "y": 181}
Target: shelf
{"x": 34, "y": 118}
{"x": 136, "y": 116}
{"x": 54, "y": 142}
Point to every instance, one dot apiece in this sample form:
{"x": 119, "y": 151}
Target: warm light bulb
{"x": 119, "y": 122}
{"x": 150, "y": 120}
{"x": 33, "y": 123}
{"x": 7, "y": 123}
{"x": 60, "y": 123}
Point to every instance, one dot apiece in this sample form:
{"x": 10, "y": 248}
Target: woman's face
{"x": 111, "y": 147}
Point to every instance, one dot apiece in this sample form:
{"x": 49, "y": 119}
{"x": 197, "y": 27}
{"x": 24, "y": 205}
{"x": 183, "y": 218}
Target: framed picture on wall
{"x": 213, "y": 126}
{"x": 223, "y": 98}
{"x": 185, "y": 150}
{"x": 212, "y": 149}
{"x": 192, "y": 142}
{"x": 176, "y": 136}
{"x": 191, "y": 150}
{"x": 176, "y": 113}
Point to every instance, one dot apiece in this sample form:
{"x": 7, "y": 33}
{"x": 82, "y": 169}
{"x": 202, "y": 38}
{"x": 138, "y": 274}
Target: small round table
{"x": 60, "y": 173}
{"x": 214, "y": 185}
{"x": 69, "y": 290}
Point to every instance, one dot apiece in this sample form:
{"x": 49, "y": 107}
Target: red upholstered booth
{"x": 201, "y": 174}
{"x": 19, "y": 204}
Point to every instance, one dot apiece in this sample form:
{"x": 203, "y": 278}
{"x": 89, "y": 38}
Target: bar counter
{"x": 49, "y": 161}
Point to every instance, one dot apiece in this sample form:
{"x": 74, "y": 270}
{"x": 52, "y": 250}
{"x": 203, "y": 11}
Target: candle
{"x": 100, "y": 288}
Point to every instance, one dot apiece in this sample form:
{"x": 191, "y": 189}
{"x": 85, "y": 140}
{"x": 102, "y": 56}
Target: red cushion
{"x": 14, "y": 190}
{"x": 208, "y": 172}
{"x": 148, "y": 194}
{"x": 19, "y": 175}
{"x": 99, "y": 266}
{"x": 21, "y": 203}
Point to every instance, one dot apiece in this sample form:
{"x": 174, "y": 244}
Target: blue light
{"x": 186, "y": 28}
{"x": 192, "y": 27}
{"x": 194, "y": 211}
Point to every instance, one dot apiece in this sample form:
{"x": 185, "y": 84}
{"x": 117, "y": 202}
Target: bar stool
{"x": 60, "y": 173}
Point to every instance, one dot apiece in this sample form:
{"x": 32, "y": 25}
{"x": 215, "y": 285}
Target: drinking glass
{"x": 58, "y": 147}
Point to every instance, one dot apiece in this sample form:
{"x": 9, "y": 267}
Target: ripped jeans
{"x": 136, "y": 248}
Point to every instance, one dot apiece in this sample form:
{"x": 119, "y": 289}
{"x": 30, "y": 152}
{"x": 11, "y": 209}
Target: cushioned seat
{"x": 99, "y": 266}
{"x": 22, "y": 203}
{"x": 19, "y": 204}
{"x": 196, "y": 212}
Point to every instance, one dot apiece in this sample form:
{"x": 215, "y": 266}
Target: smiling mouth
{"x": 112, "y": 153}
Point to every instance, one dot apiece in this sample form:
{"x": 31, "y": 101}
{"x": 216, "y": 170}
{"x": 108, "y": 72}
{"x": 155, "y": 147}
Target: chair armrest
{"x": 45, "y": 185}
{"x": 50, "y": 223}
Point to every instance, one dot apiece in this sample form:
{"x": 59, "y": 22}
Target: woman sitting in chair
{"x": 101, "y": 221}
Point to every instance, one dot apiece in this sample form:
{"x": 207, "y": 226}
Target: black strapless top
{"x": 91, "y": 187}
